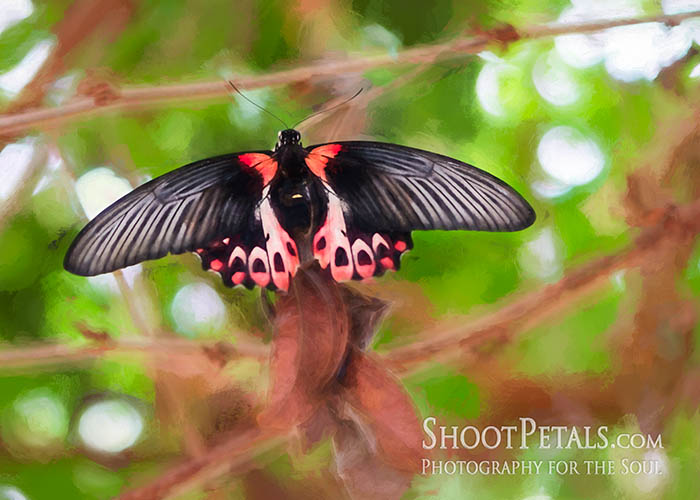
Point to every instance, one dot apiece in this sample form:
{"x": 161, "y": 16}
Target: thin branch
{"x": 138, "y": 97}
{"x": 524, "y": 313}
{"x": 82, "y": 19}
{"x": 162, "y": 347}
{"x": 232, "y": 454}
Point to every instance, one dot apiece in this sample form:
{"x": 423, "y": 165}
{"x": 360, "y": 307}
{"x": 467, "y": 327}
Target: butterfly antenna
{"x": 329, "y": 109}
{"x": 233, "y": 86}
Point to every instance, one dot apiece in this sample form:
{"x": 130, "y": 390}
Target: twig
{"x": 32, "y": 356}
{"x": 138, "y": 97}
{"x": 233, "y": 453}
{"x": 81, "y": 20}
{"x": 534, "y": 306}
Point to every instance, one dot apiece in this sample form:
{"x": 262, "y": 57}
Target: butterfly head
{"x": 288, "y": 137}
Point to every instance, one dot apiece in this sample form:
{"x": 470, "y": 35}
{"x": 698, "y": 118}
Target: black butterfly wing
{"x": 385, "y": 191}
{"x": 212, "y": 207}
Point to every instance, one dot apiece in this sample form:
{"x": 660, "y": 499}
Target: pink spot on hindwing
{"x": 387, "y": 262}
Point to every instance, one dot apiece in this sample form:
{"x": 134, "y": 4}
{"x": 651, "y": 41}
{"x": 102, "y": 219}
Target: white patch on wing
{"x": 365, "y": 270}
{"x": 261, "y": 278}
{"x": 332, "y": 237}
{"x": 278, "y": 243}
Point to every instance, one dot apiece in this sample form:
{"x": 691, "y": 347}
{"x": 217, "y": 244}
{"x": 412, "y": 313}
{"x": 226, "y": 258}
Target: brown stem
{"x": 215, "y": 462}
{"x": 162, "y": 347}
{"x": 137, "y": 97}
{"x": 82, "y": 19}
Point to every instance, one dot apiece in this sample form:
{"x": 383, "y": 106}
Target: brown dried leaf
{"x": 364, "y": 474}
{"x": 322, "y": 424}
{"x": 311, "y": 328}
{"x": 366, "y": 315}
{"x": 386, "y": 410}
{"x": 261, "y": 486}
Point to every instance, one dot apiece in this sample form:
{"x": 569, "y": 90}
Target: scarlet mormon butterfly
{"x": 255, "y": 217}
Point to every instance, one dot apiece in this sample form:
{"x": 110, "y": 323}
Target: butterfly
{"x": 255, "y": 217}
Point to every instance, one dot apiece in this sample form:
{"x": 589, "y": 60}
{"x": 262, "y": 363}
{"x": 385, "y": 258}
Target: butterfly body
{"x": 297, "y": 195}
{"x": 255, "y": 217}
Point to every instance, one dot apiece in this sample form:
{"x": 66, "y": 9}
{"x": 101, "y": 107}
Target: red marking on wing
{"x": 317, "y": 165}
{"x": 265, "y": 165}
{"x": 329, "y": 150}
{"x": 317, "y": 159}
{"x": 400, "y": 245}
{"x": 216, "y": 265}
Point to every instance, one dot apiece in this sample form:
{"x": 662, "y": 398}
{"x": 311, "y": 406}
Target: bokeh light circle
{"x": 569, "y": 157}
{"x": 110, "y": 426}
{"x": 197, "y": 310}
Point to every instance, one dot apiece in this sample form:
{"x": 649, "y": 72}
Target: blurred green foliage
{"x": 457, "y": 273}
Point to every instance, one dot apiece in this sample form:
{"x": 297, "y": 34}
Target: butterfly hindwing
{"x": 375, "y": 253}
{"x": 378, "y": 191}
{"x": 353, "y": 254}
{"x": 264, "y": 254}
{"x": 210, "y": 206}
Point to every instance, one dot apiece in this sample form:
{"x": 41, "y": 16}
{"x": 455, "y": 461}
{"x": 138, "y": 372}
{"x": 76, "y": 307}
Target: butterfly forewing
{"x": 386, "y": 187}
{"x": 210, "y": 206}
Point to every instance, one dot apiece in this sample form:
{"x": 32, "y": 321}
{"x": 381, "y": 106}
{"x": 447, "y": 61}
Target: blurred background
{"x": 587, "y": 318}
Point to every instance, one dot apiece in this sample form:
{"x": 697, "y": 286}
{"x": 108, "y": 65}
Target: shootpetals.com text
{"x": 529, "y": 433}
